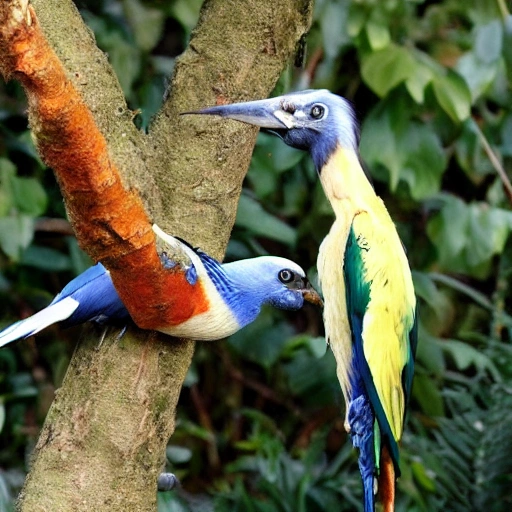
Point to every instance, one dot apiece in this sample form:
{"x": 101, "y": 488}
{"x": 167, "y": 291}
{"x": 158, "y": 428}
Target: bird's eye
{"x": 285, "y": 276}
{"x": 317, "y": 112}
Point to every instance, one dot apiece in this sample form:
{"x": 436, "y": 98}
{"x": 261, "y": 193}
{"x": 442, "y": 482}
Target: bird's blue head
{"x": 317, "y": 121}
{"x": 267, "y": 280}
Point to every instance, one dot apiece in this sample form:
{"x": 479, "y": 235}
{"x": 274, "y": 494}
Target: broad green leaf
{"x": 453, "y": 95}
{"x": 16, "y": 233}
{"x": 426, "y": 289}
{"x": 356, "y": 19}
{"x": 314, "y": 379}
{"x": 466, "y": 356}
{"x": 448, "y": 230}
{"x": 7, "y": 175}
{"x": 378, "y": 35}
{"x": 506, "y": 136}
{"x": 271, "y": 336}
{"x": 147, "y": 23}
{"x": 429, "y": 354}
{"x": 422, "y": 476}
{"x": 252, "y": 216}
{"x": 271, "y": 152}
{"x": 470, "y": 153}
{"x": 417, "y": 82}
{"x": 378, "y": 143}
{"x": 333, "y": 25}
{"x": 186, "y": 12}
{"x": 488, "y": 41}
{"x": 478, "y": 75}
{"x": 178, "y": 454}
{"x": 29, "y": 196}
{"x": 427, "y": 395}
{"x": 45, "y": 258}
{"x": 467, "y": 236}
{"x": 171, "y": 502}
{"x": 410, "y": 151}
{"x": 423, "y": 160}
{"x": 385, "y": 69}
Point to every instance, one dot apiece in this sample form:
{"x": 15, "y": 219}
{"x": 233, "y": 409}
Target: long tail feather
{"x": 53, "y": 313}
{"x": 387, "y": 481}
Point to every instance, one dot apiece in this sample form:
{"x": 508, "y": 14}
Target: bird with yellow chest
{"x": 370, "y": 306}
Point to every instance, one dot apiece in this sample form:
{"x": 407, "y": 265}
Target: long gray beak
{"x": 262, "y": 113}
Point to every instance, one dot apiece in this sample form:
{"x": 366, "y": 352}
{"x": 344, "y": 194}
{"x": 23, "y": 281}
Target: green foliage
{"x": 260, "y": 422}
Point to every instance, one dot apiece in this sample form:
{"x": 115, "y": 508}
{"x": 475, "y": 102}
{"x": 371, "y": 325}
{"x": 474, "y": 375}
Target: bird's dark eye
{"x": 285, "y": 276}
{"x": 317, "y": 112}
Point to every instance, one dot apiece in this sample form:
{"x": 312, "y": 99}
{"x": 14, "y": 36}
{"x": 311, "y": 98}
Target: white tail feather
{"x": 35, "y": 323}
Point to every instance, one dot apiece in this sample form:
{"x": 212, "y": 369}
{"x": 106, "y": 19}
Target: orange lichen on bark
{"x": 110, "y": 221}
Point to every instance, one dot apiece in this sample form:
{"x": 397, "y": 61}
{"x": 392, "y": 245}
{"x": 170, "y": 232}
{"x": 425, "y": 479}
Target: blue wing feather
{"x": 98, "y": 299}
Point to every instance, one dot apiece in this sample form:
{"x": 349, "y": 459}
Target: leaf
{"x": 422, "y": 476}
{"x": 29, "y": 196}
{"x": 410, "y": 151}
{"x": 385, "y": 69}
{"x": 333, "y": 25}
{"x": 45, "y": 258}
{"x": 426, "y": 288}
{"x": 252, "y": 216}
{"x": 478, "y": 75}
{"x": 506, "y": 136}
{"x": 147, "y": 23}
{"x": 271, "y": 152}
{"x": 314, "y": 379}
{"x": 470, "y": 153}
{"x": 16, "y": 233}
{"x": 356, "y": 19}
{"x": 466, "y": 356}
{"x": 7, "y": 175}
{"x": 186, "y": 12}
{"x": 488, "y": 41}
{"x": 453, "y": 95}
{"x": 271, "y": 336}
{"x": 378, "y": 34}
{"x": 427, "y": 395}
{"x": 178, "y": 454}
{"x": 424, "y": 160}
{"x": 467, "y": 236}
{"x": 418, "y": 80}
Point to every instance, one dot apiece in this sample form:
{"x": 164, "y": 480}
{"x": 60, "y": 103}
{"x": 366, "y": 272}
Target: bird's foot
{"x": 167, "y": 482}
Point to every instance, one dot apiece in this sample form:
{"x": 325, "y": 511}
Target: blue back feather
{"x": 98, "y": 298}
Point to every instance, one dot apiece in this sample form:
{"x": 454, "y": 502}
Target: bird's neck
{"x": 345, "y": 183}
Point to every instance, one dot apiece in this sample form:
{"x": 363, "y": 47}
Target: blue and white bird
{"x": 210, "y": 300}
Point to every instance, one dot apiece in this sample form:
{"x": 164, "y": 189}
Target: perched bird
{"x": 370, "y": 306}
{"x": 227, "y": 297}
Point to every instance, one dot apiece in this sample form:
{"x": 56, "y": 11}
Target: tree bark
{"x": 103, "y": 441}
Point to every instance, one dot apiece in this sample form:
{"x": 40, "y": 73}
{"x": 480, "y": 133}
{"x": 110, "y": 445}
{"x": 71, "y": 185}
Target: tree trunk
{"x": 103, "y": 441}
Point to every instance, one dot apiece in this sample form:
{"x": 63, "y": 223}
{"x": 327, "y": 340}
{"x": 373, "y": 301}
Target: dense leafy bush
{"x": 260, "y": 424}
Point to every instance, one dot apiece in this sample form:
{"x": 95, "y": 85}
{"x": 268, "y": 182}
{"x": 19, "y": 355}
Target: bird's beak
{"x": 267, "y": 114}
{"x": 311, "y": 295}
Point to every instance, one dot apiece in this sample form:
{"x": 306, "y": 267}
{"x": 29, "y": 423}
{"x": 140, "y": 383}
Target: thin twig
{"x": 494, "y": 161}
{"x": 502, "y": 6}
